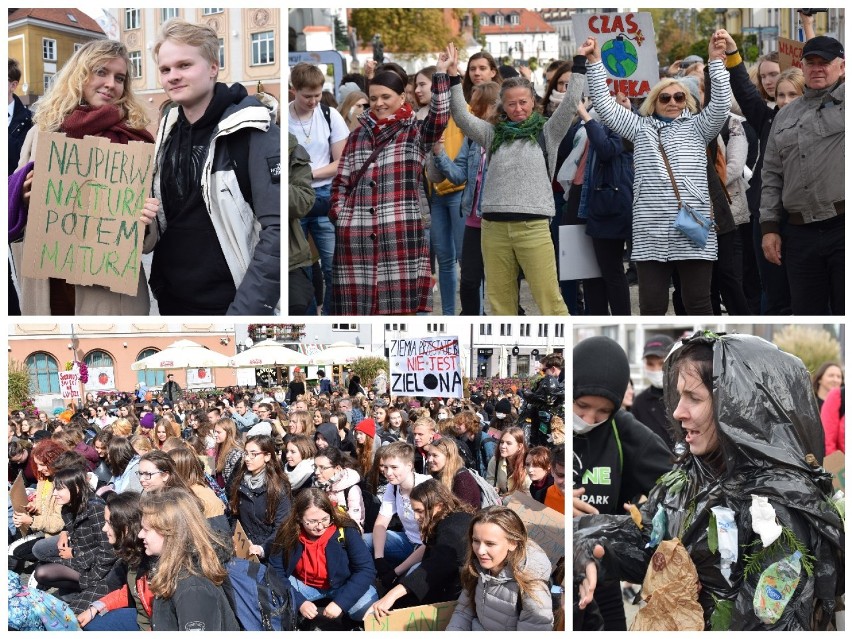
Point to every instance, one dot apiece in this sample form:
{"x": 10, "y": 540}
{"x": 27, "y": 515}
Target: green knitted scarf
{"x": 508, "y": 131}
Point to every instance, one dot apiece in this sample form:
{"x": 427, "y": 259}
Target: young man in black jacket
{"x": 218, "y": 174}
{"x": 648, "y": 406}
{"x": 616, "y": 457}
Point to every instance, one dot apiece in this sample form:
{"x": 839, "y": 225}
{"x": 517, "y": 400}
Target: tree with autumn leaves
{"x": 411, "y": 32}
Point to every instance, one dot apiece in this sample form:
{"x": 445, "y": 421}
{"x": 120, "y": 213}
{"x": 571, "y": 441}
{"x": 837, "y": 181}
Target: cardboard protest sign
{"x": 429, "y": 367}
{"x": 18, "y": 499}
{"x": 790, "y": 53}
{"x": 69, "y": 383}
{"x": 83, "y": 223}
{"x": 577, "y": 259}
{"x": 429, "y": 617}
{"x": 242, "y": 544}
{"x": 545, "y": 526}
{"x": 628, "y": 49}
{"x": 836, "y": 465}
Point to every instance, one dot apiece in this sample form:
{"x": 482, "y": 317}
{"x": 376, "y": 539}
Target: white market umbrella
{"x": 269, "y": 353}
{"x": 183, "y": 353}
{"x": 340, "y": 353}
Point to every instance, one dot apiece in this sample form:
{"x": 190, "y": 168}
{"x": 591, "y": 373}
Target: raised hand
{"x": 717, "y": 47}
{"x": 591, "y": 49}
{"x": 730, "y": 43}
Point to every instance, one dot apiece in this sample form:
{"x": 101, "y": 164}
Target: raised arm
{"x": 432, "y": 128}
{"x": 711, "y": 120}
{"x": 624, "y": 122}
{"x": 557, "y": 126}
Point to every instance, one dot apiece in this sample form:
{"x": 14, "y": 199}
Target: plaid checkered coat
{"x": 381, "y": 256}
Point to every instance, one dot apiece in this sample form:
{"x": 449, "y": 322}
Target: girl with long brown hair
{"x": 514, "y": 568}
{"x": 319, "y": 549}
{"x": 443, "y": 520}
{"x": 229, "y": 453}
{"x": 260, "y": 494}
{"x": 188, "y": 581}
{"x": 506, "y": 470}
{"x": 445, "y": 464}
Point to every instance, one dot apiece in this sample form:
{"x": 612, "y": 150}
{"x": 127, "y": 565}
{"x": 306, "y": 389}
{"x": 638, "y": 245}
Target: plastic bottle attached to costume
{"x": 775, "y": 588}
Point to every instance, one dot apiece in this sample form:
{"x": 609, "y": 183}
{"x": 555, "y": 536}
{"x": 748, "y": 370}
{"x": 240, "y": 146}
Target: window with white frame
{"x": 498, "y": 20}
{"x": 485, "y": 329}
{"x": 344, "y": 327}
{"x": 48, "y": 49}
{"x": 514, "y": 19}
{"x": 132, "y": 18}
{"x": 542, "y": 330}
{"x": 263, "y": 48}
{"x": 44, "y": 373}
{"x": 505, "y": 330}
{"x": 559, "y": 331}
{"x": 504, "y": 48}
{"x": 168, "y": 14}
{"x": 210, "y": 12}
{"x": 525, "y": 330}
{"x": 135, "y": 63}
{"x": 221, "y": 53}
{"x": 47, "y": 78}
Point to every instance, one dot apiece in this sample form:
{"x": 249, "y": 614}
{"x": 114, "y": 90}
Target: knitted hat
{"x": 147, "y": 420}
{"x": 600, "y": 369}
{"x": 503, "y": 407}
{"x": 367, "y": 426}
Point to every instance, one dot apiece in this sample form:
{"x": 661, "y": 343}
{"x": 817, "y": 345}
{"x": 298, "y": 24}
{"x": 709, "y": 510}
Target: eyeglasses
{"x": 317, "y": 523}
{"x": 665, "y": 98}
{"x": 249, "y": 455}
{"x": 147, "y": 476}
{"x": 322, "y": 469}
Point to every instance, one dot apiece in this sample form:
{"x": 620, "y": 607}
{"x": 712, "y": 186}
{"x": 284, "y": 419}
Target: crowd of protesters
{"x": 361, "y": 503}
{"x": 475, "y": 165}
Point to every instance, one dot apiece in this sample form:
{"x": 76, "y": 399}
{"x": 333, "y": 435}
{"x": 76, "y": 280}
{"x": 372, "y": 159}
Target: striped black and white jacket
{"x": 685, "y": 141}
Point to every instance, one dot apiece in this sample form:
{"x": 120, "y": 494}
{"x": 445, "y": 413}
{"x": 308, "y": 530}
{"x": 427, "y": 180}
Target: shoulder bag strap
{"x": 668, "y": 168}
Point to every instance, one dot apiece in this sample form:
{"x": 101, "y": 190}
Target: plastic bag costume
{"x": 771, "y": 440}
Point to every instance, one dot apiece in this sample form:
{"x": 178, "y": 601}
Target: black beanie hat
{"x": 601, "y": 369}
{"x": 503, "y": 406}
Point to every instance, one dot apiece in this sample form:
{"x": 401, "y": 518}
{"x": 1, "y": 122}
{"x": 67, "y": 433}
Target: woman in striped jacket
{"x": 667, "y": 118}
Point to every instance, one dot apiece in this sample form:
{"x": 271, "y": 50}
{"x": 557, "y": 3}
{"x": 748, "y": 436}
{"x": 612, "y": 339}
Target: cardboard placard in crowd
{"x": 628, "y": 49}
{"x": 577, "y": 259}
{"x": 790, "y": 53}
{"x": 86, "y": 200}
{"x": 836, "y": 465}
{"x": 428, "y": 617}
{"x": 242, "y": 544}
{"x": 545, "y": 526}
{"x": 18, "y": 499}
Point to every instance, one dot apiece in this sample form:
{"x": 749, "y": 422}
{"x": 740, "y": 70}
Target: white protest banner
{"x": 83, "y": 224}
{"x": 69, "y": 383}
{"x": 199, "y": 377}
{"x": 425, "y": 366}
{"x": 101, "y": 378}
{"x": 577, "y": 259}
{"x": 628, "y": 49}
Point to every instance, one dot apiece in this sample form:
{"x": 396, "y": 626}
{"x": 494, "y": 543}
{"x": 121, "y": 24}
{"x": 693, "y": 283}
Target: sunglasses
{"x": 665, "y": 98}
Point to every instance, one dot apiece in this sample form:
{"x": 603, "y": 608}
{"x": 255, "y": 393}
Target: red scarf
{"x": 106, "y": 121}
{"x": 312, "y": 567}
{"x": 402, "y": 113}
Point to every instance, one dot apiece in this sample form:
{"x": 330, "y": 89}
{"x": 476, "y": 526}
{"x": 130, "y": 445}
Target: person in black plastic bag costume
{"x": 745, "y": 410}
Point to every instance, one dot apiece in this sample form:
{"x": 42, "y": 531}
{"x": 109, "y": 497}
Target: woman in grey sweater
{"x": 517, "y": 200}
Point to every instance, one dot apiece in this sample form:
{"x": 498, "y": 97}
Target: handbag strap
{"x": 668, "y": 168}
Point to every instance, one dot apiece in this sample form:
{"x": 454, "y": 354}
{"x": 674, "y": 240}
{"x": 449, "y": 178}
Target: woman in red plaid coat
{"x": 381, "y": 255}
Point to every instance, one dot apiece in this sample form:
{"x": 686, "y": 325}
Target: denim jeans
{"x": 397, "y": 547}
{"x": 447, "y": 237}
{"x": 358, "y": 609}
{"x": 322, "y": 230}
{"x": 120, "y": 619}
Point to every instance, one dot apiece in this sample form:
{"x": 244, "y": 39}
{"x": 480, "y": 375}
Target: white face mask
{"x": 655, "y": 378}
{"x": 442, "y": 416}
{"x": 581, "y": 427}
{"x": 500, "y": 415}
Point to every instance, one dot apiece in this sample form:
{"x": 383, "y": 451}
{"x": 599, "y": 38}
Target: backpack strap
{"x": 326, "y": 112}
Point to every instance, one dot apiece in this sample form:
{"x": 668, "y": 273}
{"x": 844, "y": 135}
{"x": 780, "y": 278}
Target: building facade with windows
{"x": 42, "y": 41}
{"x": 520, "y": 34}
{"x": 249, "y": 47}
{"x": 109, "y": 349}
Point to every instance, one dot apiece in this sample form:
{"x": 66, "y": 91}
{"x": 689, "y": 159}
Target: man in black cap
{"x": 803, "y": 179}
{"x": 648, "y": 405}
{"x": 616, "y": 457}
